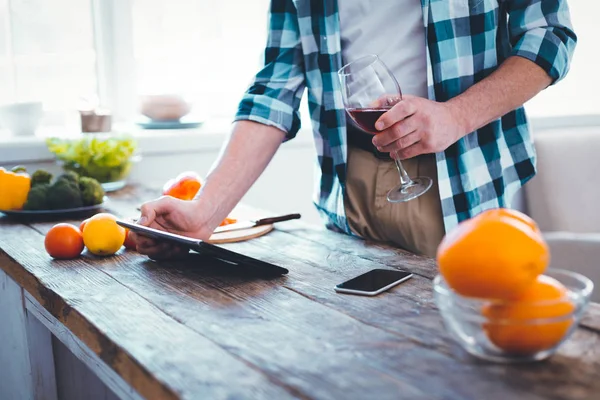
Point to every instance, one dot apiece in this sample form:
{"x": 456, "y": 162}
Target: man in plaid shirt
{"x": 465, "y": 127}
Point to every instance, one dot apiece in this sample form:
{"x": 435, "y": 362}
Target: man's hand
{"x": 246, "y": 154}
{"x": 170, "y": 214}
{"x": 417, "y": 126}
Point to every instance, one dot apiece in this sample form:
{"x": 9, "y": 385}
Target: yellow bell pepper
{"x": 14, "y": 188}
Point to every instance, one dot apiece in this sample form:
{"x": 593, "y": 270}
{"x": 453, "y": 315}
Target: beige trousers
{"x": 416, "y": 225}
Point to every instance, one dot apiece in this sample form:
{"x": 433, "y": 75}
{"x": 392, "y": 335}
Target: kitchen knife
{"x": 252, "y": 224}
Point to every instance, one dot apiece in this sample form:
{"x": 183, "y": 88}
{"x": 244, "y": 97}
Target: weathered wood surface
{"x": 74, "y": 380}
{"x": 80, "y": 373}
{"x": 41, "y": 356}
{"x": 195, "y": 329}
{"x": 17, "y": 382}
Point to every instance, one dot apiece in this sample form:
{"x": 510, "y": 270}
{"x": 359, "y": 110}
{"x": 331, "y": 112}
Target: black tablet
{"x": 231, "y": 257}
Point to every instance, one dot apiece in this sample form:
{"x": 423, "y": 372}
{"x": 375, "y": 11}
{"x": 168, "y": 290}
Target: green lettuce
{"x": 104, "y": 158}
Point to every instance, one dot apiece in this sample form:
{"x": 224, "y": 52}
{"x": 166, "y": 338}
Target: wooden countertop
{"x": 193, "y": 330}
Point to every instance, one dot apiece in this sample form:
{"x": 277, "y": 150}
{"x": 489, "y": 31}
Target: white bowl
{"x": 22, "y": 119}
{"x": 164, "y": 107}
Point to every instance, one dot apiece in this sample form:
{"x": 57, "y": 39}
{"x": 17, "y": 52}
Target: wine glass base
{"x": 417, "y": 187}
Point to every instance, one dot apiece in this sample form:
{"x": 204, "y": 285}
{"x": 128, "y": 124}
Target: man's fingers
{"x": 403, "y": 109}
{"x": 148, "y": 213}
{"x": 397, "y": 131}
{"x": 171, "y": 253}
{"x": 158, "y": 250}
{"x": 154, "y": 249}
{"x": 151, "y": 209}
{"x": 147, "y": 246}
{"x": 142, "y": 241}
{"x": 412, "y": 151}
{"x": 402, "y": 143}
{"x": 385, "y": 101}
{"x": 145, "y": 241}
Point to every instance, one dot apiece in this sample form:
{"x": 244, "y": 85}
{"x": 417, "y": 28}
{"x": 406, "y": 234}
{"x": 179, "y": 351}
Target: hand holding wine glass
{"x": 369, "y": 89}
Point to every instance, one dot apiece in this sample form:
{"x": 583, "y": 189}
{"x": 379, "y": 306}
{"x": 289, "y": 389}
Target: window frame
{"x": 115, "y": 62}
{"x": 116, "y": 67}
{"x": 10, "y": 57}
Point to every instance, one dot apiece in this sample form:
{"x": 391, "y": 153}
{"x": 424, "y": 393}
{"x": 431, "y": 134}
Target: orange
{"x": 183, "y": 187}
{"x": 496, "y": 254}
{"x": 508, "y": 329}
{"x": 82, "y": 225}
{"x": 228, "y": 221}
{"x": 64, "y": 241}
{"x": 102, "y": 236}
{"x": 129, "y": 243}
{"x": 508, "y": 212}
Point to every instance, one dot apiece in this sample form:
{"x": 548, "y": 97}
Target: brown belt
{"x": 362, "y": 140}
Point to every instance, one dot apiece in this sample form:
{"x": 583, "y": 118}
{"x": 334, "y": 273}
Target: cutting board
{"x": 240, "y": 235}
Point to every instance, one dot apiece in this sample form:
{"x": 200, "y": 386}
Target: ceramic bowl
{"x": 164, "y": 107}
{"x": 21, "y": 119}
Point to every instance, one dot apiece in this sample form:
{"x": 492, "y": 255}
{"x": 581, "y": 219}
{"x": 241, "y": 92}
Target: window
{"x": 576, "y": 95}
{"x": 206, "y": 50}
{"x": 60, "y": 50}
{"x": 47, "y": 54}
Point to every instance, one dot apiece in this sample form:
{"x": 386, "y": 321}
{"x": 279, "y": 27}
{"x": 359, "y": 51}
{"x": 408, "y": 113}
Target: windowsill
{"x": 210, "y": 136}
{"x": 207, "y": 138}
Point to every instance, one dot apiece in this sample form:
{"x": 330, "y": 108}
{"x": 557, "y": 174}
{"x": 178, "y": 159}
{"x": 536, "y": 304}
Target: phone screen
{"x": 374, "y": 280}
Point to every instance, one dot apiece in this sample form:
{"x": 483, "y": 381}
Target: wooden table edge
{"x": 153, "y": 388}
{"x": 105, "y": 373}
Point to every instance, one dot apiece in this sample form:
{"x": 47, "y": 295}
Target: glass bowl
{"x": 111, "y": 178}
{"x": 106, "y": 157}
{"x": 504, "y": 339}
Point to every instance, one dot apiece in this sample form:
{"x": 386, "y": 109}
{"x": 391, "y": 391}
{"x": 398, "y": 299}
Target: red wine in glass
{"x": 366, "y": 117}
{"x": 367, "y": 84}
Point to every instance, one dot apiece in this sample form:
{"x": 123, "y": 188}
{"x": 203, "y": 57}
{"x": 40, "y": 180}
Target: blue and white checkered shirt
{"x": 466, "y": 41}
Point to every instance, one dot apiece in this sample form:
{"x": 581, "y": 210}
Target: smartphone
{"x": 373, "y": 282}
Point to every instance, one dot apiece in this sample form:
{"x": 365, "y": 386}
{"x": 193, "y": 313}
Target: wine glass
{"x": 369, "y": 89}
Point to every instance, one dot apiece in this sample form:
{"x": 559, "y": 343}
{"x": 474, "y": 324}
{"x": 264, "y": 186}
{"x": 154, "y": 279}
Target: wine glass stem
{"x": 404, "y": 178}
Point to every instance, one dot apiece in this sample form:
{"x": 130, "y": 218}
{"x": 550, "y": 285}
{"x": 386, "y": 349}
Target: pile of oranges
{"x": 500, "y": 255}
{"x": 100, "y": 234}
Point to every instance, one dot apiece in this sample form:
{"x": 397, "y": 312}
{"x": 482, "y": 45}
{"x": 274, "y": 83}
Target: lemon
{"x": 102, "y": 236}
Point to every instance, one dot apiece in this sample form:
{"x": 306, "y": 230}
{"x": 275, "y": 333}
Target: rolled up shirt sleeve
{"x": 541, "y": 31}
{"x": 273, "y": 97}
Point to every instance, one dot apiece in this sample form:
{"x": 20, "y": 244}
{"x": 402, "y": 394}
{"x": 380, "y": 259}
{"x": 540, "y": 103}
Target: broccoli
{"x": 91, "y": 191}
{"x": 40, "y": 176}
{"x": 37, "y": 199}
{"x": 69, "y": 176}
{"x": 64, "y": 194}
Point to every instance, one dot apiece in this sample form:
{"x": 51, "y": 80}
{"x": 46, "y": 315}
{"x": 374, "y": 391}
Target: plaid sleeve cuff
{"x": 550, "y": 48}
{"x": 269, "y": 111}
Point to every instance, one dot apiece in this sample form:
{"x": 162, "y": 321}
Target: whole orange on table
{"x": 64, "y": 241}
{"x": 102, "y": 236}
